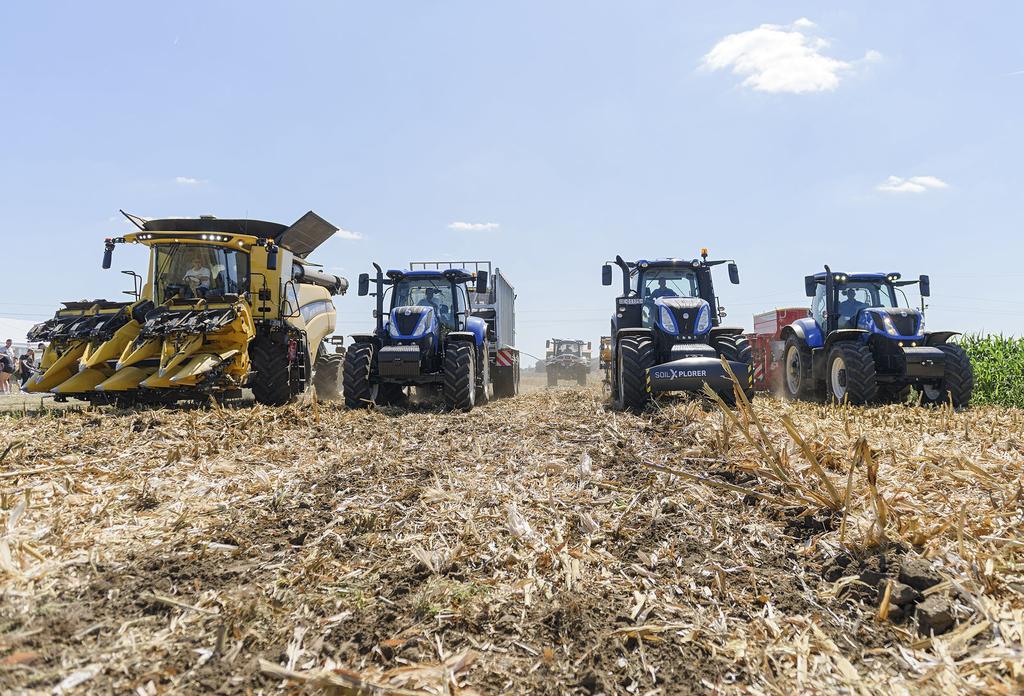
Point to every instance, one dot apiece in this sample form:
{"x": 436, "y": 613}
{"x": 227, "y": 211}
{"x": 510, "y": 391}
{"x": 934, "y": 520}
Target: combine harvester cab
{"x": 862, "y": 343}
{"x": 567, "y": 359}
{"x": 446, "y": 332}
{"x": 225, "y": 304}
{"x": 667, "y": 334}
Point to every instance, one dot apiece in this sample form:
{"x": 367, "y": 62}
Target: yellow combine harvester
{"x": 225, "y": 304}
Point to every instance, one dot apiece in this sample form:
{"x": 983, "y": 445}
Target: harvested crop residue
{"x": 543, "y": 544}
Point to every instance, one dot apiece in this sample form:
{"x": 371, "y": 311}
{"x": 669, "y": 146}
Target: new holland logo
{"x": 679, "y": 374}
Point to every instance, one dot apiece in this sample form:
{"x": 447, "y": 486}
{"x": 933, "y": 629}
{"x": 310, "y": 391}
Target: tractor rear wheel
{"x": 851, "y": 374}
{"x": 736, "y": 348}
{"x": 636, "y": 356}
{"x": 358, "y": 389}
{"x": 271, "y": 383}
{"x": 957, "y": 382}
{"x": 459, "y": 377}
{"x": 797, "y": 382}
{"x": 327, "y": 375}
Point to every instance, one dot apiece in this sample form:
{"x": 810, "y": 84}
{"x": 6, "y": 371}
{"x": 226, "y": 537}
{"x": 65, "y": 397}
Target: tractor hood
{"x": 412, "y": 322}
{"x": 682, "y": 317}
{"x": 895, "y": 322}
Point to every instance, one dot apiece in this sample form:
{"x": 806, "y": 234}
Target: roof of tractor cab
{"x": 857, "y": 277}
{"x": 667, "y": 263}
{"x": 427, "y": 273}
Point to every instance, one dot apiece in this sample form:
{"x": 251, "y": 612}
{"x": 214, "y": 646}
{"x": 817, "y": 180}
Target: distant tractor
{"x": 863, "y": 344}
{"x": 567, "y": 359}
{"x": 434, "y": 337}
{"x": 666, "y": 334}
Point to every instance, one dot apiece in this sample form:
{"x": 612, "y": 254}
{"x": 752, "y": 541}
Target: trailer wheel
{"x": 636, "y": 356}
{"x": 958, "y": 381}
{"x": 270, "y": 384}
{"x": 851, "y": 374}
{"x": 356, "y": 386}
{"x": 797, "y": 382}
{"x": 327, "y": 375}
{"x": 484, "y": 387}
{"x": 506, "y": 381}
{"x": 459, "y": 377}
{"x": 736, "y": 349}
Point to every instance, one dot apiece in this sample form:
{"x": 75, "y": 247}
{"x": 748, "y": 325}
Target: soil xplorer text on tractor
{"x": 863, "y": 344}
{"x": 225, "y": 304}
{"x": 666, "y": 333}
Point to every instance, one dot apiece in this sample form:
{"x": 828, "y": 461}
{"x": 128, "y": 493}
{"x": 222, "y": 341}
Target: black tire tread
{"x": 736, "y": 348}
{"x": 861, "y": 381}
{"x": 459, "y": 387}
{"x": 270, "y": 382}
{"x": 355, "y": 380}
{"x": 636, "y": 357}
{"x": 806, "y": 388}
{"x": 958, "y": 380}
{"x": 327, "y": 375}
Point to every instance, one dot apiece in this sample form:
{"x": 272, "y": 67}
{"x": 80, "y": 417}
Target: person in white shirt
{"x": 198, "y": 276}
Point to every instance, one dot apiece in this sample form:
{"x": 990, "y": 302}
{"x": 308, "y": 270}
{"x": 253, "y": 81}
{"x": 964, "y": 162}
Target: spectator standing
{"x": 6, "y": 366}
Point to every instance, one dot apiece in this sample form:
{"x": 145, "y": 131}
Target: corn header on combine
{"x": 225, "y": 304}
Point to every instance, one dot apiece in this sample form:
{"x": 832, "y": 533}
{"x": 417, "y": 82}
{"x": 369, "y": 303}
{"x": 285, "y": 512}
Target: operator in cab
{"x": 849, "y": 308}
{"x": 197, "y": 277}
{"x": 663, "y": 290}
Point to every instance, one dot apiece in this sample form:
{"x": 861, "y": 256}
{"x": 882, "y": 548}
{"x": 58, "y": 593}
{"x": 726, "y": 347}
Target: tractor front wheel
{"x": 636, "y": 356}
{"x": 736, "y": 348}
{"x": 459, "y": 377}
{"x": 359, "y": 391}
{"x": 957, "y": 382}
{"x": 851, "y": 374}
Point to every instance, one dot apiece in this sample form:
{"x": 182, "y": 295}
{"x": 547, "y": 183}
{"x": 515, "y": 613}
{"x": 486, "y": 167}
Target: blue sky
{"x": 869, "y": 136}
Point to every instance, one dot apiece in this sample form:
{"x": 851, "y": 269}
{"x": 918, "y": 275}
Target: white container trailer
{"x": 497, "y": 307}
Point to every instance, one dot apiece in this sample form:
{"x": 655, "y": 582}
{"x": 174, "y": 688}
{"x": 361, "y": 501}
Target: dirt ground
{"x": 543, "y": 544}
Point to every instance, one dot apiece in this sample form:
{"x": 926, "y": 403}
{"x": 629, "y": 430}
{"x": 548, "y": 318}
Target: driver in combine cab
{"x": 197, "y": 277}
{"x": 849, "y": 308}
{"x": 663, "y": 290}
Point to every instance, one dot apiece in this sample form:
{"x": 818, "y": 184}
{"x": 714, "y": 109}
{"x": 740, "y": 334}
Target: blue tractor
{"x": 428, "y": 339}
{"x": 667, "y": 333}
{"x": 863, "y": 343}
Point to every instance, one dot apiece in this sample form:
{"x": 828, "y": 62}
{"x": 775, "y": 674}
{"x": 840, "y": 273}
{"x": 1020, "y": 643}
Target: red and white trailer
{"x": 768, "y": 347}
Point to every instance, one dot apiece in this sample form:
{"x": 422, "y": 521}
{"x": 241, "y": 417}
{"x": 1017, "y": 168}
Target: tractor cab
{"x": 872, "y": 302}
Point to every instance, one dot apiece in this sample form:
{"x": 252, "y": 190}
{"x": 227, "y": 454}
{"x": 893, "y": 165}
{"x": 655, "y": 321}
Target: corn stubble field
{"x": 545, "y": 544}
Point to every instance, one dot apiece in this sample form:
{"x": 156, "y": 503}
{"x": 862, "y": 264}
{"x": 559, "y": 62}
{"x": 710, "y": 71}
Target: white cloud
{"x": 348, "y": 234}
{"x": 188, "y": 181}
{"x": 473, "y": 226}
{"x": 914, "y": 184}
{"x": 778, "y": 58}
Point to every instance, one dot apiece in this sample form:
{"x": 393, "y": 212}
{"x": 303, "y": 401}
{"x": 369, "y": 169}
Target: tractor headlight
{"x": 890, "y": 328}
{"x": 667, "y": 321}
{"x": 703, "y": 323}
{"x": 393, "y": 329}
{"x": 920, "y": 325}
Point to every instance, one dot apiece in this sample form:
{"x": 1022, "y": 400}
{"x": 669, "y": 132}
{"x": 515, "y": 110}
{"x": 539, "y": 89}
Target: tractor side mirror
{"x": 272, "y": 258}
{"x": 926, "y": 286}
{"x": 606, "y": 274}
{"x": 809, "y": 286}
{"x": 364, "y": 284}
{"x": 734, "y": 273}
{"x": 481, "y": 282}
{"x": 108, "y": 254}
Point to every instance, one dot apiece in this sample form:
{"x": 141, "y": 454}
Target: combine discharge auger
{"x": 862, "y": 343}
{"x": 567, "y": 359}
{"x": 225, "y": 304}
{"x": 666, "y": 334}
{"x": 446, "y": 332}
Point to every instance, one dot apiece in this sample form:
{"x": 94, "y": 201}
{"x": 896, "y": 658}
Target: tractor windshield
{"x": 567, "y": 349}
{"x": 198, "y": 270}
{"x": 854, "y": 297}
{"x": 427, "y": 292}
{"x": 668, "y": 282}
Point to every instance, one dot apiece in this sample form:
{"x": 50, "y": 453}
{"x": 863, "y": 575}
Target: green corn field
{"x": 998, "y": 363}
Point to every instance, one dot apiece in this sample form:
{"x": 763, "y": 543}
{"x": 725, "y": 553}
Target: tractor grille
{"x": 684, "y": 311}
{"x": 906, "y": 326}
{"x": 406, "y": 318}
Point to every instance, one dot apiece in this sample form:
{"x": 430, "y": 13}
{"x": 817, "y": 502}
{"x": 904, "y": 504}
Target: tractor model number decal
{"x": 678, "y": 374}
{"x": 631, "y": 301}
